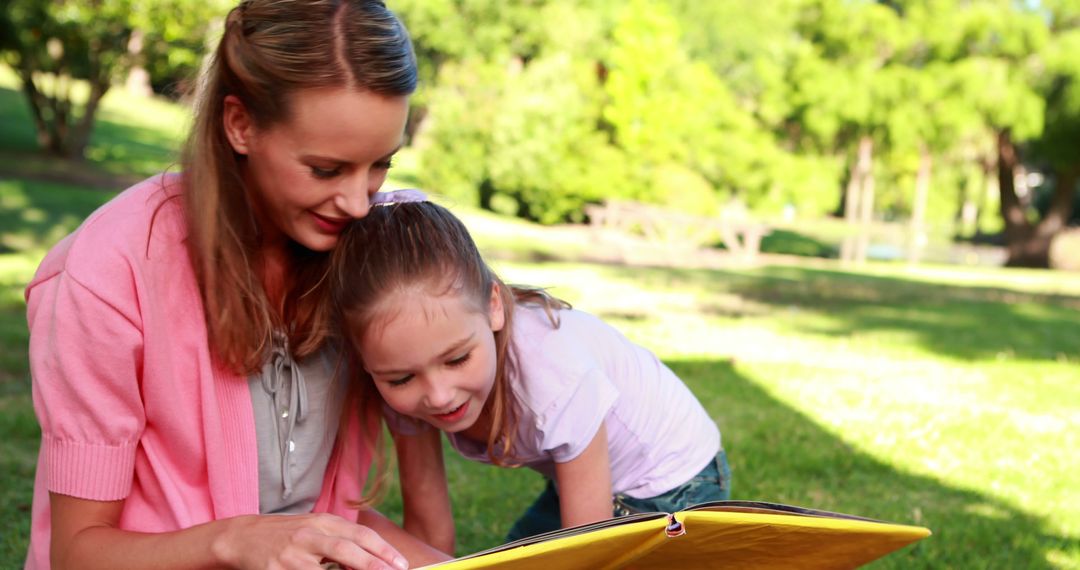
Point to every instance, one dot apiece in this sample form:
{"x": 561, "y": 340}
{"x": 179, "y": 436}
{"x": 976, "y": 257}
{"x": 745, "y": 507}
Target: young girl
{"x": 514, "y": 377}
{"x": 182, "y": 371}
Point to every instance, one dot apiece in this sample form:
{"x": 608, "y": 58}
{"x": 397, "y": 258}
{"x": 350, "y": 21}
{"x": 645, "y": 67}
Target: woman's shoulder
{"x": 121, "y": 230}
{"x": 127, "y": 217}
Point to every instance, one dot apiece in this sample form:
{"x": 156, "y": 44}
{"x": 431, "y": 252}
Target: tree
{"x": 176, "y": 35}
{"x": 1000, "y": 47}
{"x": 1057, "y": 147}
{"x": 842, "y": 81}
{"x": 53, "y": 45}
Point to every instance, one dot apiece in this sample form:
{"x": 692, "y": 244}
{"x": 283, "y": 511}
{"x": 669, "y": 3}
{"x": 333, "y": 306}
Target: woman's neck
{"x": 273, "y": 268}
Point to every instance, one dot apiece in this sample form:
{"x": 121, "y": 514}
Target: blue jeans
{"x": 713, "y": 483}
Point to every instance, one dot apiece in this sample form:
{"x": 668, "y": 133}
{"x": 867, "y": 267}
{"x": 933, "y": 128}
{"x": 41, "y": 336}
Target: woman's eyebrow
{"x": 341, "y": 161}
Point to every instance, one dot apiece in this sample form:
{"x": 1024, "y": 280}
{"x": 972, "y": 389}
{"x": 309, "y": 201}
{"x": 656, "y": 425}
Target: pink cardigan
{"x": 130, "y": 402}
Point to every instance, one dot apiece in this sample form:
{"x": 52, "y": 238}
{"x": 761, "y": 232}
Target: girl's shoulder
{"x": 558, "y": 375}
{"x": 538, "y": 328}
{"x": 556, "y": 348}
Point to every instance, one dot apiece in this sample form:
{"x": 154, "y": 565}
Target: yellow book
{"x": 721, "y": 534}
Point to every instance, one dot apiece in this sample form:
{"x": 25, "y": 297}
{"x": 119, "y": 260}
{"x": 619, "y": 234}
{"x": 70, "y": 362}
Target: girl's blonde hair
{"x": 271, "y": 50}
{"x": 398, "y": 246}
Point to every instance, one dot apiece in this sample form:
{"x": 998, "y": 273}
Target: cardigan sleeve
{"x": 85, "y": 363}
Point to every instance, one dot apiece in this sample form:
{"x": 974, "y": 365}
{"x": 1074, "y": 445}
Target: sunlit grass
{"x": 35, "y": 215}
{"x": 961, "y": 417}
{"x": 865, "y": 391}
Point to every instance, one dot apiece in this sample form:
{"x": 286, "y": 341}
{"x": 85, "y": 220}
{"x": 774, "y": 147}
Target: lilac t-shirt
{"x": 570, "y": 379}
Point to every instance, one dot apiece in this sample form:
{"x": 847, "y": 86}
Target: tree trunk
{"x": 1061, "y": 207}
{"x": 967, "y": 213}
{"x": 860, "y": 188}
{"x": 80, "y": 135}
{"x": 988, "y": 191}
{"x": 917, "y": 239}
{"x": 866, "y": 200}
{"x": 1028, "y": 244}
{"x": 485, "y": 193}
{"x": 38, "y": 102}
{"x": 138, "y": 79}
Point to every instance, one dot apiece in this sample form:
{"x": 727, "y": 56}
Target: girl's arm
{"x": 418, "y": 552}
{"x": 85, "y": 535}
{"x": 424, "y": 491}
{"x": 585, "y": 484}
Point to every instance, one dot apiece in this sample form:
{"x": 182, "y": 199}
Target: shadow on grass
{"x": 963, "y": 322}
{"x": 126, "y": 150}
{"x": 117, "y": 155}
{"x": 19, "y": 433}
{"x": 971, "y": 323}
{"x": 17, "y": 126}
{"x": 779, "y": 454}
{"x": 35, "y": 215}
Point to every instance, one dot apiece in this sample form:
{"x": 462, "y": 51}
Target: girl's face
{"x": 433, "y": 356}
{"x": 316, "y": 171}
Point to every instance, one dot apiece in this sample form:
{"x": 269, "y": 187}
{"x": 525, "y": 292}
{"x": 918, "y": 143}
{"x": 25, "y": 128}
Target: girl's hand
{"x": 302, "y": 542}
{"x": 424, "y": 492}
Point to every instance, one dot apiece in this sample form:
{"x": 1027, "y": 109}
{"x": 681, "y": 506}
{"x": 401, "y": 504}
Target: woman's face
{"x": 314, "y": 172}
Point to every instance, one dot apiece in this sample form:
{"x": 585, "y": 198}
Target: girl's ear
{"x": 239, "y": 128}
{"x": 496, "y": 316}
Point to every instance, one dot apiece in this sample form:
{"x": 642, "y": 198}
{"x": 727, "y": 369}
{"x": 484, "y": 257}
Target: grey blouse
{"x": 297, "y": 410}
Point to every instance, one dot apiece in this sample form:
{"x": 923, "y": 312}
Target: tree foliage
{"x": 540, "y": 107}
{"x": 894, "y": 109}
{"x": 68, "y": 54}
{"x": 56, "y": 42}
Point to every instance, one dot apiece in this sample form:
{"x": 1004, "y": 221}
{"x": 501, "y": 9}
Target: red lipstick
{"x": 329, "y": 225}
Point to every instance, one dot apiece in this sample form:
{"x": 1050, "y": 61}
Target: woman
{"x": 182, "y": 369}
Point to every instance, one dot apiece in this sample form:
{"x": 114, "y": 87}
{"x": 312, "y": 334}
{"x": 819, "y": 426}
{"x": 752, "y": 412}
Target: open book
{"x": 721, "y": 534}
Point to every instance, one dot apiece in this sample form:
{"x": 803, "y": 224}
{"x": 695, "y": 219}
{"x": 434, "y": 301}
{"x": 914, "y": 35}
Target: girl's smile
{"x": 455, "y": 414}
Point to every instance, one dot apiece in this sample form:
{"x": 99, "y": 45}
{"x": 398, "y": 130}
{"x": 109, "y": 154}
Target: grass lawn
{"x": 892, "y": 397}
{"x": 938, "y": 396}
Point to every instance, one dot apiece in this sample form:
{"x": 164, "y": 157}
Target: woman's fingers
{"x": 355, "y": 546}
{"x": 303, "y": 542}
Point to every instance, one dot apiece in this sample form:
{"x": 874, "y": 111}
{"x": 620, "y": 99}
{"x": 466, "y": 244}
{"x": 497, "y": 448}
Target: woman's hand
{"x": 302, "y": 542}
{"x": 85, "y": 536}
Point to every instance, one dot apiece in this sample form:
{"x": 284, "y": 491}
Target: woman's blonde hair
{"x": 270, "y": 50}
{"x": 398, "y": 246}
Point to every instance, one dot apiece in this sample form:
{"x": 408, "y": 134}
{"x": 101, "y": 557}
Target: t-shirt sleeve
{"x": 571, "y": 420}
{"x": 85, "y": 363}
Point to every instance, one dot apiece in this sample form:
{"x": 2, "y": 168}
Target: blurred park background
{"x": 835, "y": 219}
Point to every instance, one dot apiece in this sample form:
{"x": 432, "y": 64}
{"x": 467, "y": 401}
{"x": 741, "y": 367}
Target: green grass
{"x": 954, "y": 407}
{"x": 942, "y": 396}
